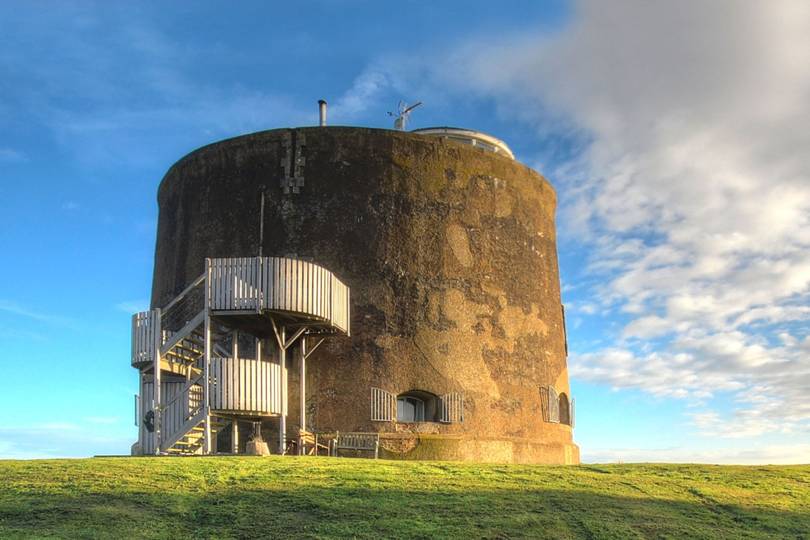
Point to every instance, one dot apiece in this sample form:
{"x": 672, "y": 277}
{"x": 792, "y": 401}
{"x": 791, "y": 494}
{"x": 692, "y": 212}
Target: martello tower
{"x": 424, "y": 262}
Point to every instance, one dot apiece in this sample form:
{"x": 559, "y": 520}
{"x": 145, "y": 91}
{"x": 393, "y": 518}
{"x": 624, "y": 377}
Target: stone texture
{"x": 451, "y": 258}
{"x": 257, "y": 447}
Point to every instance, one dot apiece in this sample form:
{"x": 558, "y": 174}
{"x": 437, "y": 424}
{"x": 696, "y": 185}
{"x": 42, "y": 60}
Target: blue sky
{"x": 674, "y": 133}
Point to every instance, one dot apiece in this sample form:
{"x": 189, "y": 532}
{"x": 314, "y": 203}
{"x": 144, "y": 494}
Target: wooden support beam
{"x": 313, "y": 348}
{"x": 157, "y": 404}
{"x": 277, "y": 333}
{"x": 295, "y": 336}
{"x": 206, "y": 449}
{"x": 235, "y": 344}
{"x": 141, "y": 428}
{"x": 303, "y": 392}
{"x": 235, "y": 436}
{"x": 282, "y": 423}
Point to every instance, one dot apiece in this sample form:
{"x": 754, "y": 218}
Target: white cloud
{"x": 756, "y": 455}
{"x": 693, "y": 193}
{"x": 60, "y": 439}
{"x": 362, "y": 95}
{"x": 146, "y": 102}
{"x": 105, "y": 420}
{"x": 59, "y": 426}
{"x": 647, "y": 327}
{"x": 16, "y": 309}
{"x": 133, "y": 306}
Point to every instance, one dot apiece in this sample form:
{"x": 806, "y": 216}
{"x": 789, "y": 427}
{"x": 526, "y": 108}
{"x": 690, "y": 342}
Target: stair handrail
{"x": 190, "y": 422}
{"x": 185, "y": 291}
{"x": 183, "y": 392}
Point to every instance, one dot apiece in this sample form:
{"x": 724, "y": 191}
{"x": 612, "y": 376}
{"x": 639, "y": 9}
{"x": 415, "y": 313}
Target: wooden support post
{"x": 157, "y": 405}
{"x": 207, "y": 362}
{"x": 235, "y": 436}
{"x": 303, "y": 392}
{"x": 282, "y": 424}
{"x": 140, "y": 412}
{"x": 283, "y": 345}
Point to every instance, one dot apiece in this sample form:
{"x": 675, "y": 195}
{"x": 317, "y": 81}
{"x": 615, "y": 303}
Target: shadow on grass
{"x": 340, "y": 511}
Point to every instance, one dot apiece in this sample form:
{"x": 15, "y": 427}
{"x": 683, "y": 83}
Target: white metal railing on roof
{"x": 471, "y": 137}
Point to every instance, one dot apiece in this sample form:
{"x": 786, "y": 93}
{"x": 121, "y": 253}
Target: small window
{"x": 565, "y": 409}
{"x": 410, "y": 409}
{"x": 418, "y": 406}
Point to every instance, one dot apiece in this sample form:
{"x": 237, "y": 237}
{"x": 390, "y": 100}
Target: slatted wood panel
{"x": 451, "y": 408}
{"x": 176, "y": 412}
{"x": 147, "y": 439}
{"x": 246, "y": 385}
{"x": 279, "y": 284}
{"x": 235, "y": 284}
{"x": 573, "y": 416}
{"x": 553, "y": 405}
{"x": 550, "y": 403}
{"x": 383, "y": 405}
{"x": 173, "y": 417}
{"x": 137, "y": 410}
{"x": 340, "y": 305}
{"x": 144, "y": 327}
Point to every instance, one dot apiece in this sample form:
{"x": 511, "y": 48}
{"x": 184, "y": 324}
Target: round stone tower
{"x": 457, "y": 346}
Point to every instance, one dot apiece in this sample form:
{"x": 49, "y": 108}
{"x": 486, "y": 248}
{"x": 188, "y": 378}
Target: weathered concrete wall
{"x": 451, "y": 258}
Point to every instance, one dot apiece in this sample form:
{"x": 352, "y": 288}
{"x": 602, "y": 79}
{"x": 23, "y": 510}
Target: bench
{"x": 358, "y": 442}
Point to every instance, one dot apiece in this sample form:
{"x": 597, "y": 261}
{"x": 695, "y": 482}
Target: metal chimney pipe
{"x": 322, "y": 111}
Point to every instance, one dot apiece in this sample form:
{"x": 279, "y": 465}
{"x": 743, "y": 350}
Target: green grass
{"x": 229, "y": 497}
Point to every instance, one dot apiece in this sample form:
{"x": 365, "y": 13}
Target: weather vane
{"x": 403, "y": 112}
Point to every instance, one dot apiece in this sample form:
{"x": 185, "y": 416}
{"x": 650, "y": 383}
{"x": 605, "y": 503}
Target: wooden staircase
{"x": 193, "y": 370}
{"x": 190, "y": 441}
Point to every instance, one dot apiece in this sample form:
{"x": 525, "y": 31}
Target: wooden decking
{"x": 244, "y": 289}
{"x": 278, "y": 284}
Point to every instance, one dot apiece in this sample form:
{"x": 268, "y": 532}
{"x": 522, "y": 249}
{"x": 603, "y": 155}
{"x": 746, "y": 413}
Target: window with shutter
{"x": 558, "y": 408}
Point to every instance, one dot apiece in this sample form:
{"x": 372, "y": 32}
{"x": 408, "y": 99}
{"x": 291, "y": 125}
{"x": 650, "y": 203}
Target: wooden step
{"x": 179, "y": 451}
{"x": 176, "y": 368}
{"x": 185, "y": 358}
{"x": 187, "y": 443}
{"x": 191, "y": 346}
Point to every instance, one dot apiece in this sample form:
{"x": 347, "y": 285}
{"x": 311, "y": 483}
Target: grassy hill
{"x": 230, "y": 497}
